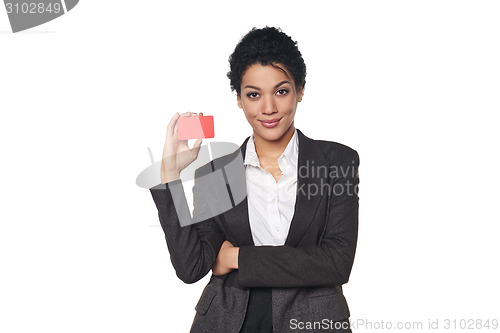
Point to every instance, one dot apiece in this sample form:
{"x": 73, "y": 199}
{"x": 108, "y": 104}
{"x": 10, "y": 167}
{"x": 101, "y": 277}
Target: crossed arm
{"x": 196, "y": 249}
{"x": 328, "y": 263}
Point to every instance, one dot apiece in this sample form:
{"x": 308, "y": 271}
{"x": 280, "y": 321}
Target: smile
{"x": 270, "y": 123}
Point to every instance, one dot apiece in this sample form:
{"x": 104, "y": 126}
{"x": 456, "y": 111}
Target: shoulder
{"x": 335, "y": 152}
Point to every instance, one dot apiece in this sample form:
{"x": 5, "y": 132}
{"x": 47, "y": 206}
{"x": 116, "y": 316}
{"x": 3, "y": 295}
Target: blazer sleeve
{"x": 193, "y": 248}
{"x": 328, "y": 263}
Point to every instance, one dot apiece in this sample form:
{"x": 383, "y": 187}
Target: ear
{"x": 300, "y": 93}
{"x": 238, "y": 98}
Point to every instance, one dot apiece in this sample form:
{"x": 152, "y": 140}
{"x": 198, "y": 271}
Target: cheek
{"x": 287, "y": 105}
{"x": 251, "y": 110}
{"x": 249, "y": 114}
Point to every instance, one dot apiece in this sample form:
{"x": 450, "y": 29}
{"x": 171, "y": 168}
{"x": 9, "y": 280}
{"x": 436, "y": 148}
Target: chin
{"x": 271, "y": 135}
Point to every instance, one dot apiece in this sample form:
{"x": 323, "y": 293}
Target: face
{"x": 269, "y": 100}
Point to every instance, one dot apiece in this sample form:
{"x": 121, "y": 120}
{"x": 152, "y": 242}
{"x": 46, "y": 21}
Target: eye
{"x": 282, "y": 92}
{"x": 252, "y": 95}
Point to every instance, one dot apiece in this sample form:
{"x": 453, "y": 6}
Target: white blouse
{"x": 271, "y": 204}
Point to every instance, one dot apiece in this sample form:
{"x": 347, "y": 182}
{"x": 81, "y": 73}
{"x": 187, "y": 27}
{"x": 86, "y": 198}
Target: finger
{"x": 172, "y": 124}
{"x": 196, "y": 146}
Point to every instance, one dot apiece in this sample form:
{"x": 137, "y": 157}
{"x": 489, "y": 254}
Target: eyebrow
{"x": 276, "y": 86}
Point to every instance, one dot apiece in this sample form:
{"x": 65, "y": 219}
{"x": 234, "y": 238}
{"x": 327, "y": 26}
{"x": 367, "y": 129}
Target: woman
{"x": 280, "y": 256}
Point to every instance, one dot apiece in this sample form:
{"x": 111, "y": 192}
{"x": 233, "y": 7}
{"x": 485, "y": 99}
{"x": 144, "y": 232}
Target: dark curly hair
{"x": 266, "y": 46}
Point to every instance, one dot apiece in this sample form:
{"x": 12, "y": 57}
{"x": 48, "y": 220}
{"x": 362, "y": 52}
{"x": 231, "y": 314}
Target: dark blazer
{"x": 305, "y": 274}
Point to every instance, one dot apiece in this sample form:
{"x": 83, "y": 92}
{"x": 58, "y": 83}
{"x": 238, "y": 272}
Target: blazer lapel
{"x": 237, "y": 219}
{"x": 309, "y": 187}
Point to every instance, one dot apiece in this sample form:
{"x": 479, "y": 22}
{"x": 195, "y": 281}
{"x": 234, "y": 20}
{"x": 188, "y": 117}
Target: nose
{"x": 268, "y": 106}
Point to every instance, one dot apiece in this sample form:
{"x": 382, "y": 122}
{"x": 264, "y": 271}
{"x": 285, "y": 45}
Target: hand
{"x": 227, "y": 260}
{"x": 176, "y": 153}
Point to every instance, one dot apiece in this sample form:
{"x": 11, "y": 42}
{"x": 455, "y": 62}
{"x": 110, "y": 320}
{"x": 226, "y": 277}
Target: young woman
{"x": 280, "y": 256}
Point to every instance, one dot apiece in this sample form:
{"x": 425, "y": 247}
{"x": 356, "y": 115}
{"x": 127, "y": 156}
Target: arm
{"x": 193, "y": 249}
{"x": 227, "y": 260}
{"x": 326, "y": 264}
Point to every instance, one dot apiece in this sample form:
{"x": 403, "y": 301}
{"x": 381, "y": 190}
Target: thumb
{"x": 196, "y": 146}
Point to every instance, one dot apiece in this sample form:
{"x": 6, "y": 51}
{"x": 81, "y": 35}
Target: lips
{"x": 269, "y": 123}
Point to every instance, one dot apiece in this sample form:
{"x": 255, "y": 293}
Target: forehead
{"x": 262, "y": 76}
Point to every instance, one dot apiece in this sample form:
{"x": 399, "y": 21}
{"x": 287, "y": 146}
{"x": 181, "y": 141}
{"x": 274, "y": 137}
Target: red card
{"x": 198, "y": 127}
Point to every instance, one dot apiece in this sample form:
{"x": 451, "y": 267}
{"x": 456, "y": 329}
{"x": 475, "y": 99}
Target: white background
{"x": 413, "y": 86}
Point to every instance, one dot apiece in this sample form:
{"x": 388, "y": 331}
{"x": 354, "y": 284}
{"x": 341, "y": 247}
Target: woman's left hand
{"x": 227, "y": 260}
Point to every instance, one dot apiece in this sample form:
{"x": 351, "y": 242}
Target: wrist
{"x": 170, "y": 176}
{"x": 236, "y": 253}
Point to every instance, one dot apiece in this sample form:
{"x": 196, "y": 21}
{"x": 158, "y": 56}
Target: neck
{"x": 273, "y": 149}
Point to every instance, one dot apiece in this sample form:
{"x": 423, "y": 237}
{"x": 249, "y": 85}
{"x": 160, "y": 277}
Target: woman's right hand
{"x": 176, "y": 153}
